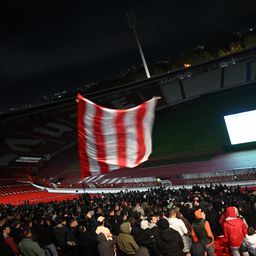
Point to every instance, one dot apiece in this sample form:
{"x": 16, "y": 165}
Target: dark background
{"x": 50, "y": 46}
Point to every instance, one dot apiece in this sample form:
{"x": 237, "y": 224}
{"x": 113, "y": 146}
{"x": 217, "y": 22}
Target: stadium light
{"x": 132, "y": 23}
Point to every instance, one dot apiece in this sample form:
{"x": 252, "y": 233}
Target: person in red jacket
{"x": 234, "y": 230}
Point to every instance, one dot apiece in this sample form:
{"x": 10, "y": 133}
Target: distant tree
{"x": 196, "y": 57}
{"x": 235, "y": 46}
{"x": 155, "y": 71}
{"x": 223, "y": 52}
{"x": 201, "y": 56}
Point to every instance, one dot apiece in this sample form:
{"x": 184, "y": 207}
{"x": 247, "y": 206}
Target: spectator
{"x": 17, "y": 232}
{"x": 60, "y": 234}
{"x": 87, "y": 240}
{"x": 152, "y": 224}
{"x": 102, "y": 229}
{"x": 71, "y": 239}
{"x": 249, "y": 243}
{"x": 28, "y": 247}
{"x": 139, "y": 208}
{"x": 234, "y": 230}
{"x": 135, "y": 224}
{"x": 125, "y": 241}
{"x": 212, "y": 217}
{"x": 106, "y": 247}
{"x": 201, "y": 232}
{"x": 9, "y": 240}
{"x": 147, "y": 238}
{"x": 115, "y": 221}
{"x": 179, "y": 226}
{"x": 45, "y": 238}
{"x": 170, "y": 242}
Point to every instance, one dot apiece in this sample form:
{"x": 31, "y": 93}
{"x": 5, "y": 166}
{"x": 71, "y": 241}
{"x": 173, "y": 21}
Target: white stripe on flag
{"x": 148, "y": 125}
{"x": 90, "y": 138}
{"x": 110, "y": 137}
{"x": 131, "y": 138}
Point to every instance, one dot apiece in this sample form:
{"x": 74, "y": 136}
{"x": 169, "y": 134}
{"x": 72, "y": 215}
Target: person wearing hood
{"x": 201, "y": 232}
{"x": 170, "y": 241}
{"x": 234, "y": 230}
{"x": 125, "y": 241}
{"x": 106, "y": 247}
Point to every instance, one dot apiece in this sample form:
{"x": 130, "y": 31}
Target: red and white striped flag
{"x": 110, "y": 139}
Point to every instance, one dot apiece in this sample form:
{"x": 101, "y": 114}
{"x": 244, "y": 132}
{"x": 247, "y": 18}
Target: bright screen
{"x": 241, "y": 127}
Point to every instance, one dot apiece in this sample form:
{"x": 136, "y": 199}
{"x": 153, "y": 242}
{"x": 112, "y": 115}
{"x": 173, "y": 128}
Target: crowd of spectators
{"x": 158, "y": 222}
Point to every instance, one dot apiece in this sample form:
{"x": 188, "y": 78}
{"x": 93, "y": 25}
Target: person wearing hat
{"x": 102, "y": 229}
{"x": 170, "y": 241}
{"x": 201, "y": 232}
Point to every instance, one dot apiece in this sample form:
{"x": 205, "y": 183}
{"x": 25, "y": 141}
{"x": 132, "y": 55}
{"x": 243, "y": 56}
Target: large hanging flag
{"x": 111, "y": 139}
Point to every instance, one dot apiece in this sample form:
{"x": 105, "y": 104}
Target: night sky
{"x": 50, "y": 46}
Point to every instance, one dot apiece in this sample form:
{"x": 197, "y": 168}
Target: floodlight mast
{"x": 132, "y": 23}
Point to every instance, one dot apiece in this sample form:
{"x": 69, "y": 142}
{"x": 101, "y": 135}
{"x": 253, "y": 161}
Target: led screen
{"x": 241, "y": 127}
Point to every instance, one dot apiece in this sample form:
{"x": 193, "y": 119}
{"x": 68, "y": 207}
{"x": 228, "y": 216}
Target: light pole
{"x": 132, "y": 23}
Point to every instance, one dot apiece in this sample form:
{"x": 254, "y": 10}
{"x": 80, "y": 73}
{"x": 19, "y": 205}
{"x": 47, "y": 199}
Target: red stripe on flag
{"x": 99, "y": 140}
{"x": 121, "y": 138}
{"x": 84, "y": 161}
{"x": 141, "y": 112}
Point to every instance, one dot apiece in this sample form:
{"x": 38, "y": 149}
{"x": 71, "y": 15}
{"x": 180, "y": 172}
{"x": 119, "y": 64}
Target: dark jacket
{"x": 60, "y": 237}
{"x": 87, "y": 242}
{"x": 106, "y": 247}
{"x": 170, "y": 242}
{"x": 43, "y": 235}
{"x": 147, "y": 239}
{"x": 142, "y": 251}
{"x": 115, "y": 222}
{"x": 212, "y": 217}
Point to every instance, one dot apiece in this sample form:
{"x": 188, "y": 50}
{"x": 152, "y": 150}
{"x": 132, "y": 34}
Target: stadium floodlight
{"x": 132, "y": 23}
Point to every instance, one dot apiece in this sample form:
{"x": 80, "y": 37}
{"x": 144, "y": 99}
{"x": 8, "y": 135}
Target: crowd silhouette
{"x": 158, "y": 222}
